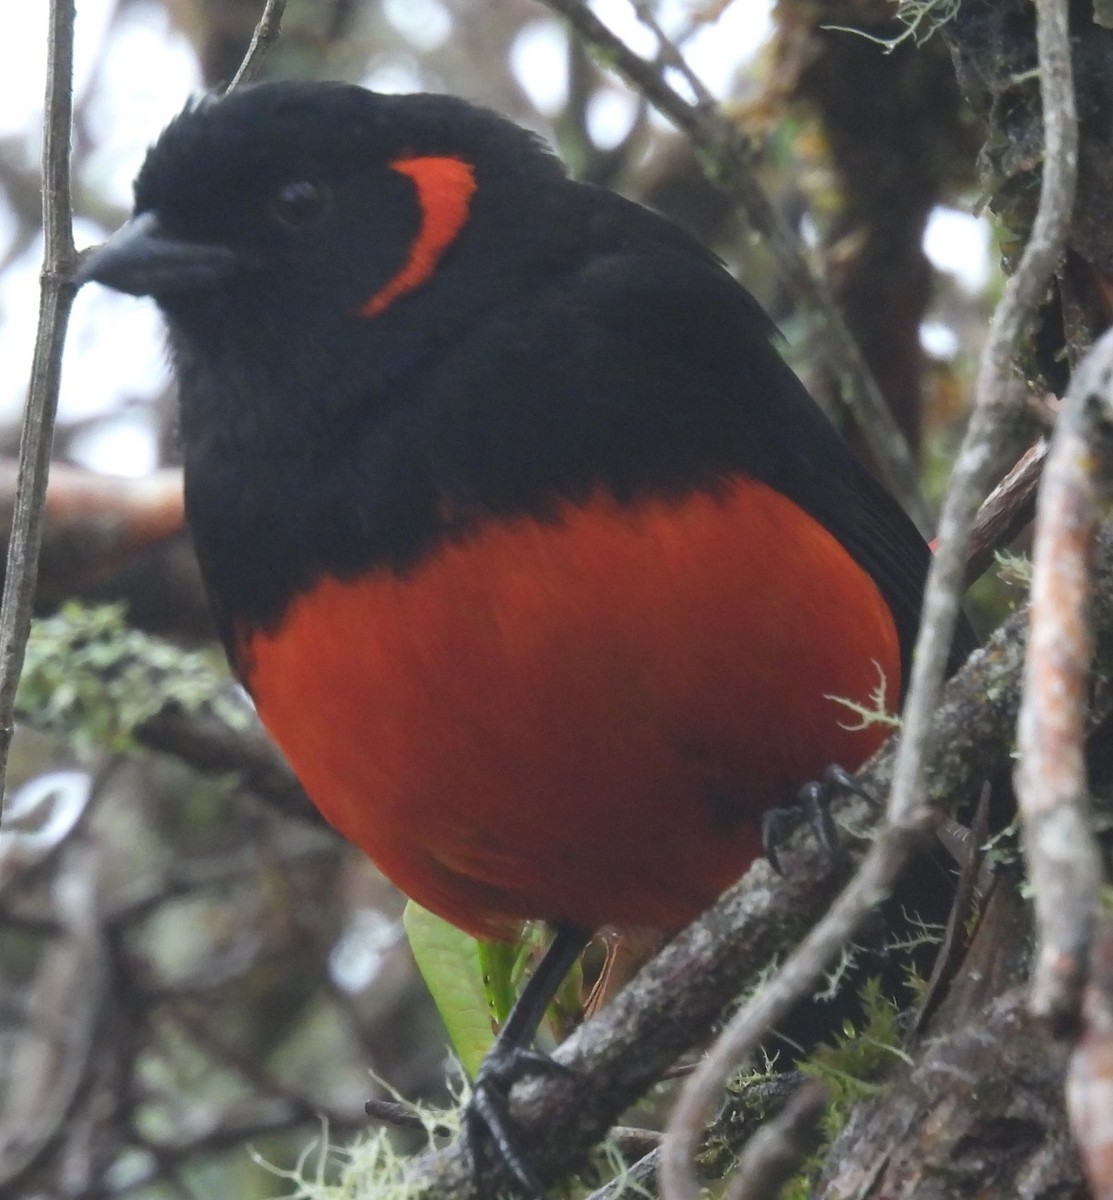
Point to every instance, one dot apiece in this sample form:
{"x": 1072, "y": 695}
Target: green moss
{"x": 853, "y": 1068}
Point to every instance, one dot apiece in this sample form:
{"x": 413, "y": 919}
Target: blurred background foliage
{"x": 190, "y": 963}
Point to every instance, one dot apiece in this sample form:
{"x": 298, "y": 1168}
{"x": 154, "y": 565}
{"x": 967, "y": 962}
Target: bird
{"x": 543, "y": 569}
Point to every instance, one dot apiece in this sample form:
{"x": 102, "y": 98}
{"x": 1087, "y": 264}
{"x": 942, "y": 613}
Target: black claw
{"x": 776, "y": 825}
{"x": 838, "y": 779}
{"x": 813, "y": 804}
{"x": 488, "y": 1127}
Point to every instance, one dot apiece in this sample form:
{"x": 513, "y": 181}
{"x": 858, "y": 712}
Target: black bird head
{"x": 315, "y": 205}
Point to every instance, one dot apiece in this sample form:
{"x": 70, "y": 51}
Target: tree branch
{"x": 1064, "y": 860}
{"x": 1089, "y": 1090}
{"x": 996, "y": 401}
{"x": 997, "y": 397}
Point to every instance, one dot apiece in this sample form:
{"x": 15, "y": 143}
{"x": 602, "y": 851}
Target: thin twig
{"x": 401, "y": 1116}
{"x": 1006, "y": 511}
{"x": 1064, "y": 860}
{"x": 56, "y": 299}
{"x": 998, "y": 395}
{"x": 907, "y": 817}
{"x": 267, "y": 32}
{"x": 727, "y": 161}
{"x": 969, "y": 892}
{"x": 636, "y": 1180}
{"x": 669, "y": 55}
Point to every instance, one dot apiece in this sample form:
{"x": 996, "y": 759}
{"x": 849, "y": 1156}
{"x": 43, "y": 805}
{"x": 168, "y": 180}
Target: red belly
{"x": 581, "y": 720}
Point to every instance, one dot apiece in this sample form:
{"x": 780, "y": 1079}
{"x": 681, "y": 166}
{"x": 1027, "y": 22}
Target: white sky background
{"x": 138, "y": 78}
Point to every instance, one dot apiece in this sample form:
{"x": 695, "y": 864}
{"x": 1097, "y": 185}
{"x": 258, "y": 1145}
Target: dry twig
{"x": 998, "y": 393}
{"x": 974, "y": 882}
{"x": 56, "y": 298}
{"x": 267, "y": 32}
{"x": 1006, "y": 510}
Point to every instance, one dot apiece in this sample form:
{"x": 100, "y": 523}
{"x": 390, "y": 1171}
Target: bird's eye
{"x": 301, "y": 204}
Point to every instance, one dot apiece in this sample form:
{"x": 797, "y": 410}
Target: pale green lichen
{"x": 90, "y": 677}
{"x": 873, "y": 712}
{"x": 372, "y": 1168}
{"x": 920, "y": 18}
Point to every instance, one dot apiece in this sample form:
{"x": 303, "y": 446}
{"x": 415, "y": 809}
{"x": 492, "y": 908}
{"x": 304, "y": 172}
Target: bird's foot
{"x": 813, "y": 805}
{"x": 488, "y": 1128}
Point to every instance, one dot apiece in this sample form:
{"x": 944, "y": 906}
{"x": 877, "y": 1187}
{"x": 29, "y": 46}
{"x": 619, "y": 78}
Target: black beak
{"x": 142, "y": 259}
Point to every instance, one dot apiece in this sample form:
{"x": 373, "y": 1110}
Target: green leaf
{"x": 501, "y": 964}
{"x": 452, "y": 965}
{"x": 475, "y": 983}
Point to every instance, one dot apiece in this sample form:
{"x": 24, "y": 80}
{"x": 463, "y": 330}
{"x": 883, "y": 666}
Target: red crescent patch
{"x": 444, "y": 190}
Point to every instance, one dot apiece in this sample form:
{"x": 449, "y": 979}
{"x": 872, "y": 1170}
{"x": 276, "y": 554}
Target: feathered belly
{"x": 580, "y": 720}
